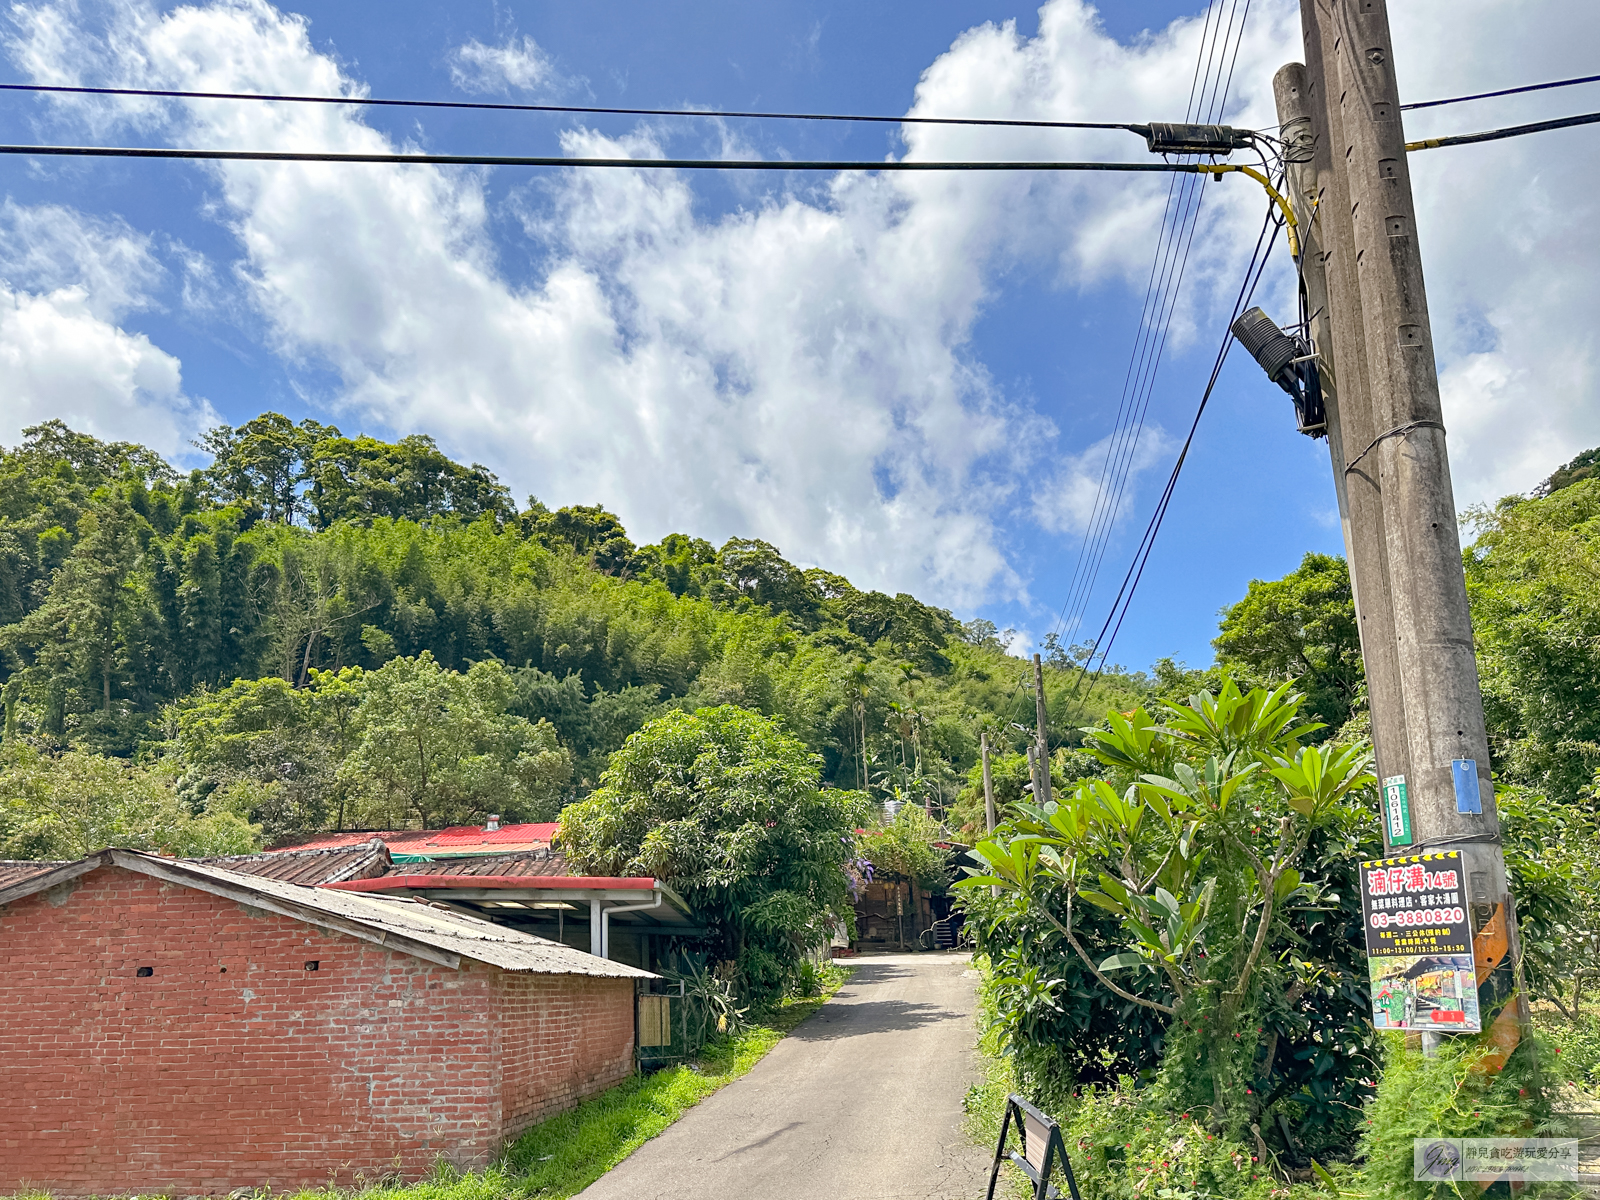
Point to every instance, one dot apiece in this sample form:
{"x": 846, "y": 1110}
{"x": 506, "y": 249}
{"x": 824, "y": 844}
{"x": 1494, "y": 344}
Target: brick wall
{"x": 232, "y": 1065}
{"x": 565, "y": 1037}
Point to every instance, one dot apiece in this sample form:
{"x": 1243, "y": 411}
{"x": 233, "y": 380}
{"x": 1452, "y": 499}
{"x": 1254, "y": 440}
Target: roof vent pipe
{"x": 493, "y": 823}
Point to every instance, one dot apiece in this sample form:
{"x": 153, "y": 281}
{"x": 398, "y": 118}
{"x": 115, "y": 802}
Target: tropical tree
{"x": 439, "y": 747}
{"x": 1193, "y": 841}
{"x": 727, "y": 808}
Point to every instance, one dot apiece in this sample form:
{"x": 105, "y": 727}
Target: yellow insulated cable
{"x": 1218, "y": 170}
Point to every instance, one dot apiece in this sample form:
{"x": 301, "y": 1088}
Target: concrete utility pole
{"x": 1320, "y": 196}
{"x": 1041, "y": 789}
{"x": 989, "y": 815}
{"x": 1446, "y": 797}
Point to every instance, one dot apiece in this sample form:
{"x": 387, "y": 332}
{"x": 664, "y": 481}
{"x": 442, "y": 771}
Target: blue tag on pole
{"x": 1468, "y": 799}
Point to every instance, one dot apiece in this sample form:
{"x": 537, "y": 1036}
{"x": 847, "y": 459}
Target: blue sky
{"x": 903, "y": 379}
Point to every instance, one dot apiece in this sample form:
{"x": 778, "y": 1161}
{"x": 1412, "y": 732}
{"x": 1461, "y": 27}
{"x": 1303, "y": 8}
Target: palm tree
{"x": 858, "y": 685}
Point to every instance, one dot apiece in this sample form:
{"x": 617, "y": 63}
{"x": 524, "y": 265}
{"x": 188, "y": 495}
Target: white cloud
{"x": 513, "y": 65}
{"x": 1513, "y": 278}
{"x": 1068, "y": 503}
{"x": 800, "y": 370}
{"x": 49, "y": 247}
{"x": 65, "y": 281}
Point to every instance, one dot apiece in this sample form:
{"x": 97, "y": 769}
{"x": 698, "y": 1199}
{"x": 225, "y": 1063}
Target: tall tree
{"x": 1301, "y": 627}
{"x": 361, "y": 479}
{"x": 74, "y": 643}
{"x": 263, "y": 465}
{"x": 729, "y": 809}
{"x": 439, "y": 747}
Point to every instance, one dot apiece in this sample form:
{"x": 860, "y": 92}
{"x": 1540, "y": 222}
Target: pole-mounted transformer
{"x": 1289, "y": 362}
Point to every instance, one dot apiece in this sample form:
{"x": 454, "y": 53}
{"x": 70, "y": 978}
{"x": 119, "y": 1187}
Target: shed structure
{"x": 636, "y": 920}
{"x": 179, "y": 1028}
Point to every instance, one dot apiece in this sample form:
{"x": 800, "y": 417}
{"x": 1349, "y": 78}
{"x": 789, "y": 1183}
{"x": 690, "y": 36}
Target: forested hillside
{"x": 323, "y": 631}
{"x": 320, "y": 631}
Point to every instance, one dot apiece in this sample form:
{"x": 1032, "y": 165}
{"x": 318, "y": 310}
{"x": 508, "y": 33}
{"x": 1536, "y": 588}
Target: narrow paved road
{"x": 860, "y": 1102}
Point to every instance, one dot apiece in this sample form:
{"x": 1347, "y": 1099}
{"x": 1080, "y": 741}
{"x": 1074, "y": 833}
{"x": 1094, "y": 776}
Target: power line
{"x": 1156, "y": 348}
{"x": 1130, "y": 582}
{"x": 1532, "y": 87}
{"x": 1207, "y": 98}
{"x": 516, "y": 160}
{"x": 173, "y": 94}
{"x": 1510, "y": 131}
{"x": 1154, "y": 301}
{"x": 716, "y": 164}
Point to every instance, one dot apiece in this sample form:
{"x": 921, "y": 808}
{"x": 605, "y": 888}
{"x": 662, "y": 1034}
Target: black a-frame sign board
{"x": 1042, "y": 1150}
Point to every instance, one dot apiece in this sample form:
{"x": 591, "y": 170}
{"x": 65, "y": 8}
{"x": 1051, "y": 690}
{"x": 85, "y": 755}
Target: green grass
{"x": 985, "y": 1101}
{"x": 560, "y": 1157}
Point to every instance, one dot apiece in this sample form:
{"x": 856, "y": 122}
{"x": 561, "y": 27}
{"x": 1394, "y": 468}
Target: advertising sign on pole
{"x": 1419, "y": 944}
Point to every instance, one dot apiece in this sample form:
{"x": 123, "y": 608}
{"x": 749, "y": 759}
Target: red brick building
{"x": 175, "y": 1027}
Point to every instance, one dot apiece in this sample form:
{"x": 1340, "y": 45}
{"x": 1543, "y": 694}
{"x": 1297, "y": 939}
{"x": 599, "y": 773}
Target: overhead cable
{"x": 1510, "y": 131}
{"x": 1130, "y": 582}
{"x": 1208, "y": 95}
{"x": 1102, "y": 514}
{"x": 1532, "y": 87}
{"x": 490, "y": 106}
{"x": 520, "y": 160}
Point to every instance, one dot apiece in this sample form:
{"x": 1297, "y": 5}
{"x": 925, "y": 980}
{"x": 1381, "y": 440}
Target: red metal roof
{"x": 386, "y": 883}
{"x": 460, "y": 839}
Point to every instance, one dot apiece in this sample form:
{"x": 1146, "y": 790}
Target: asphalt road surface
{"x": 861, "y": 1102}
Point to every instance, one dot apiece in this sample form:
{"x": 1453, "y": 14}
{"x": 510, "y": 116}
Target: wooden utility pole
{"x": 1447, "y": 788}
{"x": 1041, "y": 755}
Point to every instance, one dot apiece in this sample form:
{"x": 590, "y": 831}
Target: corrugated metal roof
{"x": 401, "y": 878}
{"x": 14, "y": 871}
{"x": 458, "y": 839}
{"x": 332, "y": 864}
{"x": 409, "y": 926}
{"x": 533, "y": 862}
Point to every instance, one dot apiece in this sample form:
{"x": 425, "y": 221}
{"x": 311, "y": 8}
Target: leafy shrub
{"x": 1189, "y": 919}
{"x": 1449, "y": 1095}
{"x": 729, "y": 809}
